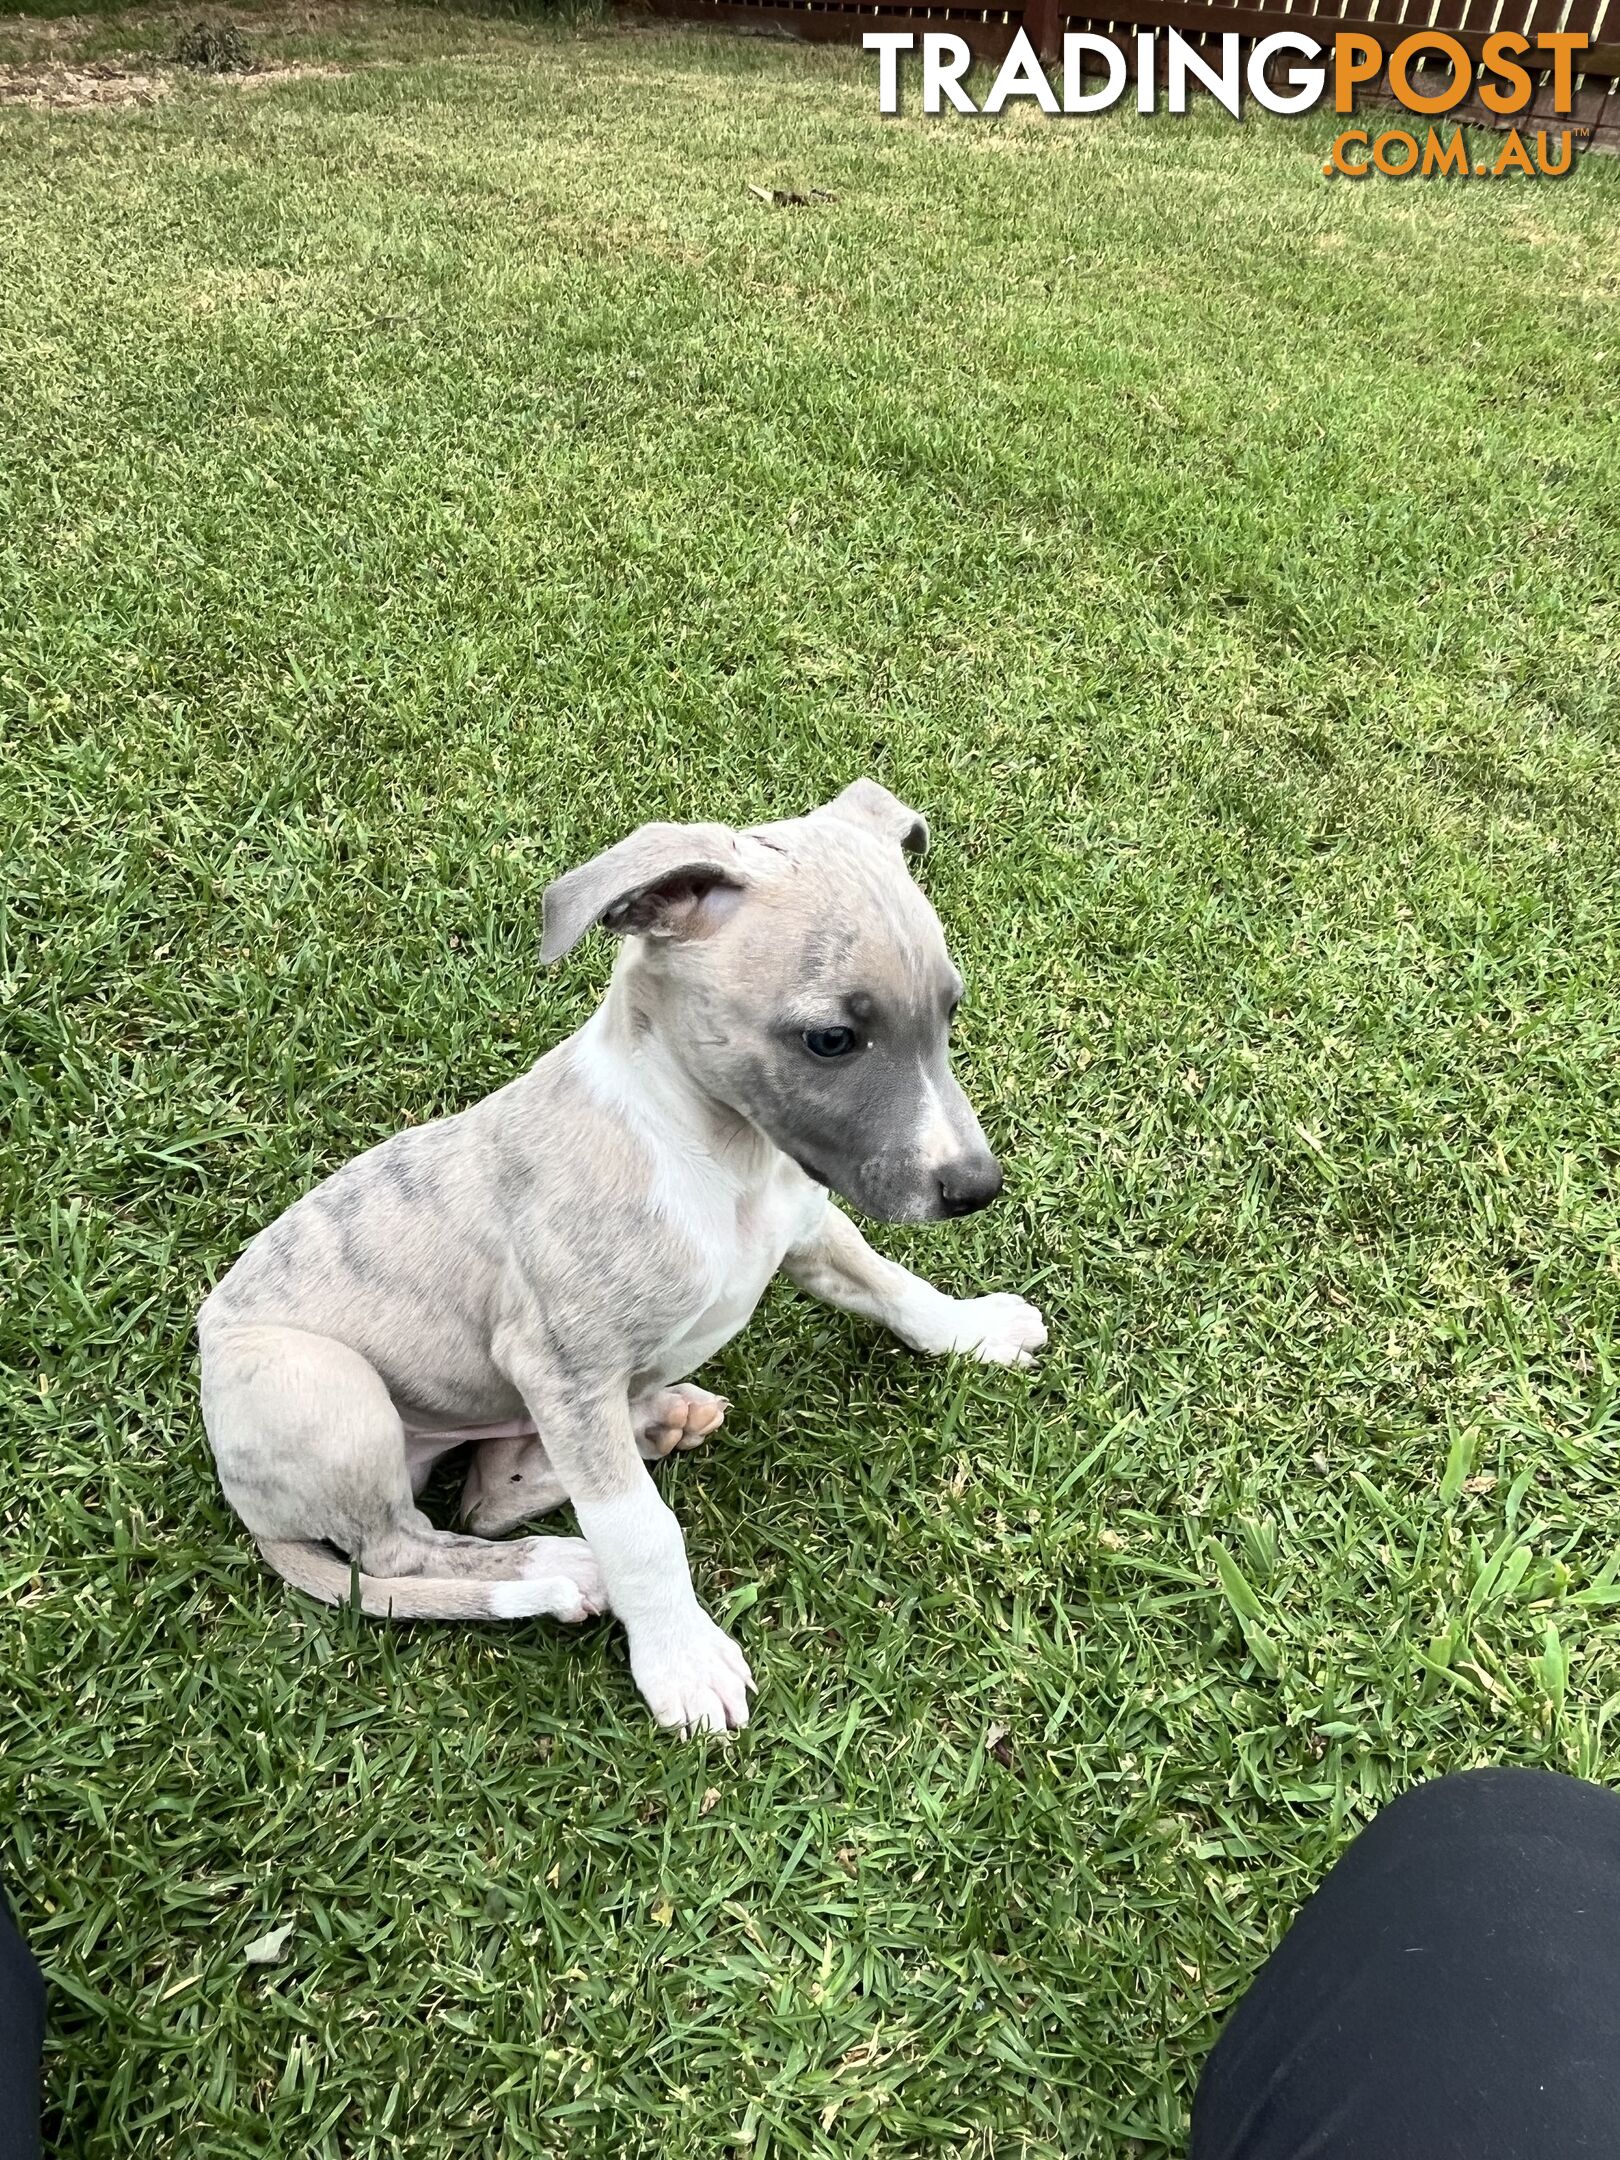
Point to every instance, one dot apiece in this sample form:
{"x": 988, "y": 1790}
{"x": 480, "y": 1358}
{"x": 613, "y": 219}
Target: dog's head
{"x": 800, "y": 977}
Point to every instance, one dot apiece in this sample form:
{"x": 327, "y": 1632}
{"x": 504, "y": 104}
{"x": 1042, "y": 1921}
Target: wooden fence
{"x": 990, "y": 30}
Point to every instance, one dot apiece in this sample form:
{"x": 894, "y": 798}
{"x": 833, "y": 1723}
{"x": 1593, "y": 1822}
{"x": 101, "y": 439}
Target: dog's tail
{"x": 322, "y": 1573}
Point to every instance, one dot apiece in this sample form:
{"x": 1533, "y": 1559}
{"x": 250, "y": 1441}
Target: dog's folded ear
{"x": 659, "y": 882}
{"x": 866, "y": 802}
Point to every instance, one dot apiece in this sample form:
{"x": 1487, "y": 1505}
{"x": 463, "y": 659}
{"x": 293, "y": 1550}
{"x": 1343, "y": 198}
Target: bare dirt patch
{"x": 268, "y": 73}
{"x": 59, "y": 86}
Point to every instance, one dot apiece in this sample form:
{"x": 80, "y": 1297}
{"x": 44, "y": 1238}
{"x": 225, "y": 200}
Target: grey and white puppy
{"x": 540, "y": 1273}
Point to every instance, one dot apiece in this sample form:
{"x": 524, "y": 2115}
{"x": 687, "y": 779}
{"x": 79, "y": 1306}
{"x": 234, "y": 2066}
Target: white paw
{"x": 550, "y": 1597}
{"x": 676, "y": 1417}
{"x": 692, "y": 1676}
{"x": 553, "y": 1575}
{"x": 997, "y": 1330}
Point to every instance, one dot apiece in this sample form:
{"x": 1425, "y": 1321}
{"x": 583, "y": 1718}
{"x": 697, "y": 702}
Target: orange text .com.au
{"x": 1357, "y": 153}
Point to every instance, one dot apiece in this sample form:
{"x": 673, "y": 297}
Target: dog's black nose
{"x": 970, "y": 1185}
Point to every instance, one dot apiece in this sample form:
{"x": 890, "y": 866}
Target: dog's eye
{"x": 830, "y": 1042}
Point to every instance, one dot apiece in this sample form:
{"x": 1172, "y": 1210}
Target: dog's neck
{"x": 632, "y": 1058}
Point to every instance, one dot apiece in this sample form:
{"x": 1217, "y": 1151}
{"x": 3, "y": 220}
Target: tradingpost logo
{"x": 1287, "y": 72}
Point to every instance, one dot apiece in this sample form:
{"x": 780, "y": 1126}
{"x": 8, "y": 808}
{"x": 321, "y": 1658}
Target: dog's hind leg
{"x": 312, "y": 1454}
{"x": 669, "y": 1418}
{"x": 512, "y": 1478}
{"x": 508, "y": 1480}
{"x": 664, "y": 1420}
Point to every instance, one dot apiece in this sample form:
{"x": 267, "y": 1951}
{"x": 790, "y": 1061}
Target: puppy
{"x": 541, "y": 1272}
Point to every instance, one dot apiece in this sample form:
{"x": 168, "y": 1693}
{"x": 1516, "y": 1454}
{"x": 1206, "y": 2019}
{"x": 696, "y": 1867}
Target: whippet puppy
{"x": 539, "y": 1273}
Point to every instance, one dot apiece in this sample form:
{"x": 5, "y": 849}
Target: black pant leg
{"x": 1451, "y": 1992}
{"x": 22, "y": 2034}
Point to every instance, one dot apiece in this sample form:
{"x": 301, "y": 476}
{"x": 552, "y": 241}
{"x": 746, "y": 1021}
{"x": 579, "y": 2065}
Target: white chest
{"x": 728, "y": 1204}
{"x": 739, "y": 1237}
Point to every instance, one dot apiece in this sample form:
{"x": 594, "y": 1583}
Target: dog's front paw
{"x": 692, "y": 1676}
{"x": 997, "y": 1330}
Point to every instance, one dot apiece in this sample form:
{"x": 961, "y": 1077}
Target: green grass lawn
{"x": 417, "y": 476}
